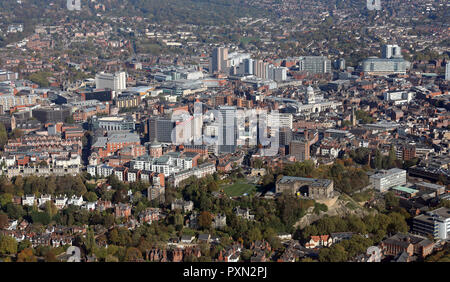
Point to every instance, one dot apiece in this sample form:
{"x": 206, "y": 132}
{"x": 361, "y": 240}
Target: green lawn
{"x": 238, "y": 189}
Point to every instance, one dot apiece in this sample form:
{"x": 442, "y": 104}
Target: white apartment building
{"x": 200, "y": 171}
{"x": 386, "y": 179}
{"x": 167, "y": 164}
{"x": 101, "y": 170}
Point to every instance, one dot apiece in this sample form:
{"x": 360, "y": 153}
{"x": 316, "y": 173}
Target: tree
{"x": 24, "y": 244}
{"x": 378, "y": 160}
{"x": 5, "y": 199}
{"x": 3, "y": 221}
{"x": 50, "y": 209}
{"x": 133, "y": 254}
{"x": 397, "y": 223}
{"x": 50, "y": 256}
{"x": 26, "y": 255}
{"x": 3, "y": 136}
{"x": 8, "y": 245}
{"x": 336, "y": 253}
{"x": 205, "y": 219}
{"x": 40, "y": 217}
{"x": 90, "y": 242}
{"x": 111, "y": 258}
{"x": 392, "y": 158}
{"x": 246, "y": 255}
{"x": 254, "y": 234}
{"x": 14, "y": 211}
{"x": 391, "y": 200}
{"x": 90, "y": 196}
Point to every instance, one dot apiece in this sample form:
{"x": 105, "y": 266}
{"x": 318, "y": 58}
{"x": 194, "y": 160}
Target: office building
{"x": 435, "y": 223}
{"x": 315, "y": 64}
{"x": 114, "y": 123}
{"x": 261, "y": 69}
{"x": 278, "y": 74}
{"x": 300, "y": 149}
{"x": 279, "y": 120}
{"x": 248, "y": 66}
{"x": 339, "y": 64}
{"x": 377, "y": 66}
{"x": 285, "y": 136}
{"x": 160, "y": 130}
{"x": 386, "y": 179}
{"x": 227, "y": 129}
{"x": 127, "y": 100}
{"x": 219, "y": 60}
{"x": 391, "y": 51}
{"x": 52, "y": 114}
{"x": 391, "y": 62}
{"x": 114, "y": 81}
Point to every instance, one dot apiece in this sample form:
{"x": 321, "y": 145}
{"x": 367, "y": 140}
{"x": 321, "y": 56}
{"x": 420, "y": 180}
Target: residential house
{"x": 185, "y": 206}
{"x": 204, "y": 238}
{"x": 60, "y": 201}
{"x": 28, "y": 200}
{"x": 319, "y": 241}
{"x": 122, "y": 210}
{"x": 244, "y": 213}
{"x": 76, "y": 201}
{"x": 187, "y": 239}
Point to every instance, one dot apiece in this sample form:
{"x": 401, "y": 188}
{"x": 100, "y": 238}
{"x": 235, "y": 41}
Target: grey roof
{"x": 313, "y": 181}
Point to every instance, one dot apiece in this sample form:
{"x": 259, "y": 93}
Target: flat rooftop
{"x": 405, "y": 189}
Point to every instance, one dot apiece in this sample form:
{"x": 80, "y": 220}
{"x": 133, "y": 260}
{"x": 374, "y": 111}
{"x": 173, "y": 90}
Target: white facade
{"x": 92, "y": 170}
{"x": 28, "y": 200}
{"x": 447, "y": 71}
{"x": 167, "y": 164}
{"x": 391, "y": 51}
{"x": 387, "y": 179}
{"x": 70, "y": 161}
{"x": 60, "y": 202}
{"x": 277, "y": 74}
{"x": 76, "y": 201}
{"x": 279, "y": 120}
{"x": 104, "y": 170}
{"x": 116, "y": 81}
{"x": 398, "y": 96}
{"x": 43, "y": 199}
{"x": 199, "y": 172}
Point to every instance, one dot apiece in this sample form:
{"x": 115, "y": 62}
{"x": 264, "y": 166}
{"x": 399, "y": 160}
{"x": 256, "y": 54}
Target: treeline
{"x": 199, "y": 12}
{"x": 369, "y": 230}
{"x": 376, "y": 160}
